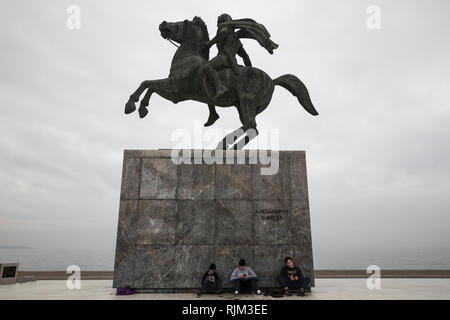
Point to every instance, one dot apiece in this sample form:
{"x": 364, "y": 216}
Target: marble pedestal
{"x": 176, "y": 219}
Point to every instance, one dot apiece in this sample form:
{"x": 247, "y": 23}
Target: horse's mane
{"x": 203, "y": 26}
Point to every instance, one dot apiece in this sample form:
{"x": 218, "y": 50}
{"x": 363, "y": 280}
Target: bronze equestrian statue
{"x": 220, "y": 81}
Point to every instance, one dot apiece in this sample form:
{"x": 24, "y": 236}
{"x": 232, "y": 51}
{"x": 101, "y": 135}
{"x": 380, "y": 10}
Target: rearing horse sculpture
{"x": 250, "y": 91}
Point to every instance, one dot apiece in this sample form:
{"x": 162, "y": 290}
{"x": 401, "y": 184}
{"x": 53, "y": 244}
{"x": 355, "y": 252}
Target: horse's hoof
{"x": 130, "y": 107}
{"x": 142, "y": 112}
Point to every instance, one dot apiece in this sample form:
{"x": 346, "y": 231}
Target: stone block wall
{"x": 176, "y": 219}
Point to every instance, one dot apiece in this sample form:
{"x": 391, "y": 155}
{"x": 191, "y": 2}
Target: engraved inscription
{"x": 274, "y": 214}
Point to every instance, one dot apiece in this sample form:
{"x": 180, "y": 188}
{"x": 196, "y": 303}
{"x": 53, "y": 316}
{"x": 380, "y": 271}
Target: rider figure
{"x": 228, "y": 45}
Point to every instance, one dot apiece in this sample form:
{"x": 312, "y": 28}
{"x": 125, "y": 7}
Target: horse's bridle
{"x": 170, "y": 40}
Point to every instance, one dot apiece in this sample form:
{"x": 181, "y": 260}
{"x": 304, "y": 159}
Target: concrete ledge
{"x": 62, "y": 275}
{"x": 320, "y": 274}
{"x": 392, "y": 273}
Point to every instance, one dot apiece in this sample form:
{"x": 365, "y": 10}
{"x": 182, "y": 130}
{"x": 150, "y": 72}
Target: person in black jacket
{"x": 291, "y": 278}
{"x": 211, "y": 282}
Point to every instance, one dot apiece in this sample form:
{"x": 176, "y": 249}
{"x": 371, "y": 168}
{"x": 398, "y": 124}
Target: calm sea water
{"x": 324, "y": 258}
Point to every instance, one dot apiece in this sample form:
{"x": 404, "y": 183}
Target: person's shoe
{"x": 199, "y": 295}
{"x": 236, "y": 295}
{"x": 259, "y": 292}
{"x": 219, "y": 292}
{"x": 211, "y": 119}
{"x": 286, "y": 293}
{"x": 301, "y": 293}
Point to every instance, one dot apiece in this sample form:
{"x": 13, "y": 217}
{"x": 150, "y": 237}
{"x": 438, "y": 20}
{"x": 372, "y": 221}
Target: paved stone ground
{"x": 335, "y": 289}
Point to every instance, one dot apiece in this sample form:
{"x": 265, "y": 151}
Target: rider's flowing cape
{"x": 249, "y": 28}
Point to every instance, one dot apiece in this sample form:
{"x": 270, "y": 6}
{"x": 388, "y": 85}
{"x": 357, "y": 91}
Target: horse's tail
{"x": 298, "y": 89}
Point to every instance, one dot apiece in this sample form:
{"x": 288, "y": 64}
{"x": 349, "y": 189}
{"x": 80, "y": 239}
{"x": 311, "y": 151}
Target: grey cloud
{"x": 378, "y": 159}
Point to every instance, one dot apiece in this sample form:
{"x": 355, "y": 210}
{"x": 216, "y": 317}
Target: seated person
{"x": 211, "y": 281}
{"x": 243, "y": 277}
{"x": 291, "y": 278}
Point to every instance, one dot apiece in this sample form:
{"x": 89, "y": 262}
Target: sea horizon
{"x": 102, "y": 259}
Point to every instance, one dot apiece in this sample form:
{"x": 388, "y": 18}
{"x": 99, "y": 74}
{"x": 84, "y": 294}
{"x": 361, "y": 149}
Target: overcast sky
{"x": 378, "y": 154}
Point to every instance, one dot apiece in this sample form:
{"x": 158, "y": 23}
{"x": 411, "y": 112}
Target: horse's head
{"x": 191, "y": 31}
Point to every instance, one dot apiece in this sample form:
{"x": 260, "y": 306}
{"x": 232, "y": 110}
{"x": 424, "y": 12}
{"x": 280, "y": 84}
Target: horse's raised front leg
{"x": 163, "y": 87}
{"x": 144, "y": 103}
{"x": 130, "y": 105}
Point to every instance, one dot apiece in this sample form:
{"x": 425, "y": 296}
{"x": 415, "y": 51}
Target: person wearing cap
{"x": 211, "y": 282}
